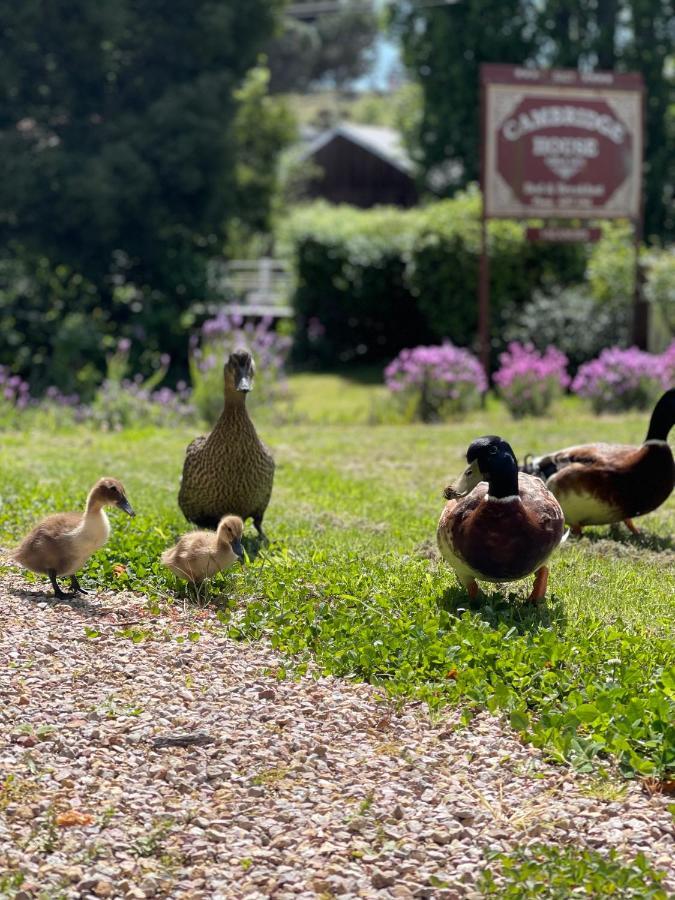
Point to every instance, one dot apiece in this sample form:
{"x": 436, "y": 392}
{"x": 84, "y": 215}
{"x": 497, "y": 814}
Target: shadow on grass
{"x": 509, "y": 609}
{"x": 646, "y": 540}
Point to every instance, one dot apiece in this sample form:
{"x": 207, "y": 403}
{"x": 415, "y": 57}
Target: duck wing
{"x": 47, "y": 546}
{"x": 582, "y": 457}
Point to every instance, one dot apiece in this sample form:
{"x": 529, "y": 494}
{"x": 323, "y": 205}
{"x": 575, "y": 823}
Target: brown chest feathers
{"x": 227, "y": 471}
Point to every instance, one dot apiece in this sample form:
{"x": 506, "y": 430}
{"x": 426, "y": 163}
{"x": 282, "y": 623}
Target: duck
{"x": 201, "y": 554}
{"x": 230, "y": 470}
{"x": 600, "y": 484}
{"x": 61, "y": 543}
{"x": 499, "y": 525}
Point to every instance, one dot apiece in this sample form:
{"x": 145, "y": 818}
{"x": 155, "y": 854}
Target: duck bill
{"x": 126, "y": 506}
{"x": 238, "y": 549}
{"x": 244, "y": 384}
{"x": 466, "y": 482}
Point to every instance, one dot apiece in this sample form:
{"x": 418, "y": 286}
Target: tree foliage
{"x": 444, "y": 46}
{"x": 116, "y": 130}
{"x": 333, "y": 47}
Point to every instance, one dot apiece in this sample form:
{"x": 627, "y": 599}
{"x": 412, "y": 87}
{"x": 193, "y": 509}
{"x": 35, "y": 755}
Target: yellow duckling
{"x": 62, "y": 543}
{"x": 201, "y": 554}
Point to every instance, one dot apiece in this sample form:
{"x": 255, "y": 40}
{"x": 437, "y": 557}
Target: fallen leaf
{"x": 72, "y": 817}
{"x": 659, "y": 786}
{"x": 119, "y": 570}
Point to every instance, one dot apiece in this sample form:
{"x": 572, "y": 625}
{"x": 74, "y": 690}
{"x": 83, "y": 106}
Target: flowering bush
{"x": 436, "y": 381}
{"x": 529, "y": 381}
{"x": 121, "y": 402}
{"x": 620, "y": 379}
{"x": 668, "y": 367}
{"x": 14, "y": 396}
{"x": 212, "y": 346}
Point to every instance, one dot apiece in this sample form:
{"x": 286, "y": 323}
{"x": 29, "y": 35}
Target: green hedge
{"x": 381, "y": 279}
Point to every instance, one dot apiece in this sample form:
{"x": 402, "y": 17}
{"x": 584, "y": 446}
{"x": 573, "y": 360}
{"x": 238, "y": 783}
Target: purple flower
{"x": 529, "y": 381}
{"x": 621, "y": 379}
{"x": 444, "y": 378}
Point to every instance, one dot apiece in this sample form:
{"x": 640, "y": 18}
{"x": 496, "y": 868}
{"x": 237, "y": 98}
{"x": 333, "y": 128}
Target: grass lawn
{"x": 352, "y": 579}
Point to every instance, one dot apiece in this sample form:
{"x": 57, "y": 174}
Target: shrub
{"x": 122, "y": 402}
{"x": 436, "y": 381}
{"x": 382, "y": 279}
{"x": 620, "y": 379}
{"x": 668, "y": 367}
{"x": 571, "y": 319}
{"x": 660, "y": 291}
{"x": 14, "y": 397}
{"x": 530, "y": 381}
{"x": 444, "y": 261}
{"x": 217, "y": 338}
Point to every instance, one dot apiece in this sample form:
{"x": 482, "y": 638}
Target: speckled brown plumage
{"x": 228, "y": 471}
{"x": 502, "y": 540}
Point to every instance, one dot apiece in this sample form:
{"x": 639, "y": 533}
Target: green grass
{"x": 554, "y": 873}
{"x": 351, "y": 579}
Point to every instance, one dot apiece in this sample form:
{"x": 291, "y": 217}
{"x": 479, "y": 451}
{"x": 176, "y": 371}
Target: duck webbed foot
{"x": 631, "y": 526}
{"x": 76, "y": 586}
{"x": 58, "y": 593}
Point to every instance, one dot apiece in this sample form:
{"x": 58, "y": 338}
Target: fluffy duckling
{"x": 62, "y": 543}
{"x": 230, "y": 469}
{"x": 201, "y": 554}
{"x": 502, "y": 530}
{"x": 598, "y": 484}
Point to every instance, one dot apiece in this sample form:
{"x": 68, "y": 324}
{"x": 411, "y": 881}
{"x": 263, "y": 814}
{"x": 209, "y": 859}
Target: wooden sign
{"x": 561, "y": 143}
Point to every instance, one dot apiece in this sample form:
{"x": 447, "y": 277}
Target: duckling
{"x": 201, "y": 554}
{"x": 503, "y": 530}
{"x": 598, "y": 484}
{"x": 230, "y": 469}
{"x": 63, "y": 542}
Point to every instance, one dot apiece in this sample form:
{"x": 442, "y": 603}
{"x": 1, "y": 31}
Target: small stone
{"x": 380, "y": 879}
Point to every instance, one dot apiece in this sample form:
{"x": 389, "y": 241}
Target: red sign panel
{"x": 566, "y": 235}
{"x": 561, "y": 143}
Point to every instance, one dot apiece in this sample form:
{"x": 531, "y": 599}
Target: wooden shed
{"x": 363, "y": 165}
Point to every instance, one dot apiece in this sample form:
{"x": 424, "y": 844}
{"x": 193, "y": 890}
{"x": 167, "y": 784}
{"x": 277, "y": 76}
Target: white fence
{"x": 254, "y": 287}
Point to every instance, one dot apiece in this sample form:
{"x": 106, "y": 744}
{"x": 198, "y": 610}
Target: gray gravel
{"x": 314, "y": 788}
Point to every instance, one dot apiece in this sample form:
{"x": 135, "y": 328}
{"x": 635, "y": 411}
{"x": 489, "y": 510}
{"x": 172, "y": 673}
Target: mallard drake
{"x": 62, "y": 543}
{"x": 597, "y": 484}
{"x": 229, "y": 470}
{"x": 502, "y": 530}
{"x": 201, "y": 554}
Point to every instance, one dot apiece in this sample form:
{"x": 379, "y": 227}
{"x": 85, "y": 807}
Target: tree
{"x": 116, "y": 130}
{"x": 626, "y": 35}
{"x": 327, "y": 47}
{"x": 443, "y": 47}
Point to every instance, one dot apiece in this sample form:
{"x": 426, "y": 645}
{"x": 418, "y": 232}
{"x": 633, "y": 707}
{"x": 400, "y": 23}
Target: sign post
{"x": 560, "y": 144}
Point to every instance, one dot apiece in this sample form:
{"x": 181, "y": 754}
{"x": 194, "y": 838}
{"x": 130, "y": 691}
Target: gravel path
{"x": 316, "y": 788}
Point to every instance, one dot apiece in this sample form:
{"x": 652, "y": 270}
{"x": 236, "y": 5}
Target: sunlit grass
{"x": 352, "y": 578}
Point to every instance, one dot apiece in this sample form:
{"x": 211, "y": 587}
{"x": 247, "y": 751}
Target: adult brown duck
{"x": 229, "y": 470}
{"x": 599, "y": 484}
